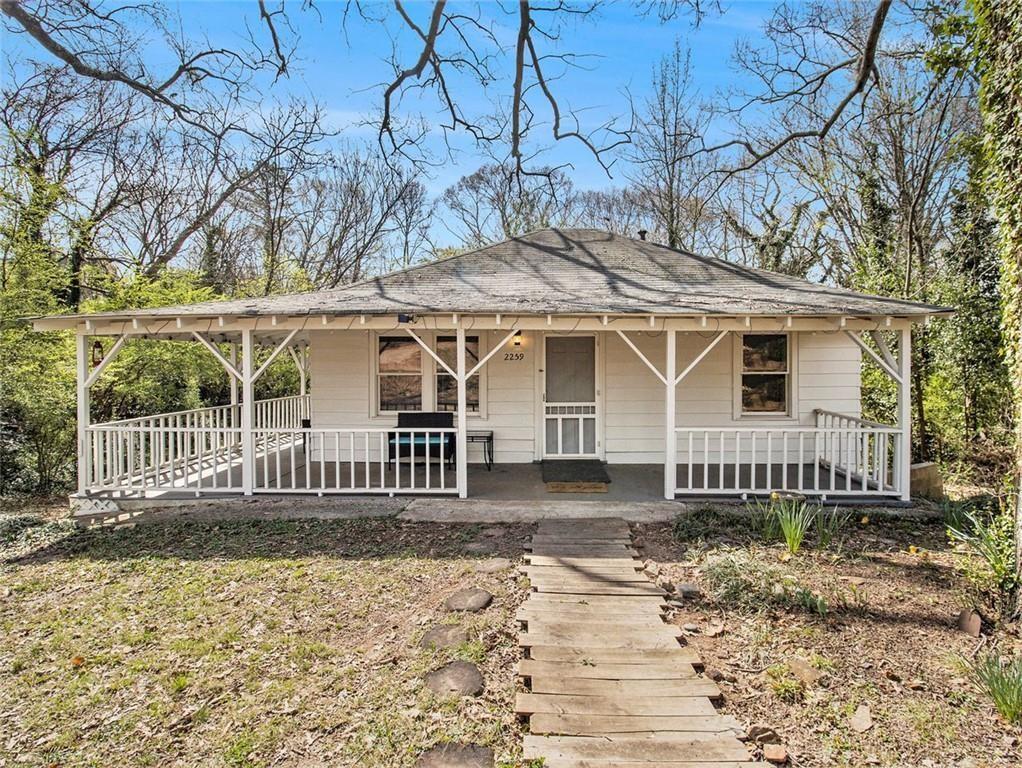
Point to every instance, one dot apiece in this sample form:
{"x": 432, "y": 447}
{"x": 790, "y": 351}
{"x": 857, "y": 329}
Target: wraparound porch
{"x": 200, "y": 452}
{"x": 322, "y": 445}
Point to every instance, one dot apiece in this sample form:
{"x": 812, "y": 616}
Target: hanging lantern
{"x": 517, "y": 340}
{"x": 97, "y": 353}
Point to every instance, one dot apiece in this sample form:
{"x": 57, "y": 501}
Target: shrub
{"x": 986, "y": 529}
{"x": 1001, "y": 679}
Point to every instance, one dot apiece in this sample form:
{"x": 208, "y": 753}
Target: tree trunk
{"x": 999, "y": 60}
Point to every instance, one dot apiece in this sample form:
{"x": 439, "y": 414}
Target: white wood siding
{"x": 342, "y": 370}
{"x": 827, "y": 371}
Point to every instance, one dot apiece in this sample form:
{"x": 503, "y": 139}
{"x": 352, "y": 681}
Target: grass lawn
{"x": 883, "y": 636}
{"x": 245, "y": 643}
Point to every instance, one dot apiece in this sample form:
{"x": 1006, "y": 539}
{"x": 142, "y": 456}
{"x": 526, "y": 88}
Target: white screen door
{"x": 570, "y": 397}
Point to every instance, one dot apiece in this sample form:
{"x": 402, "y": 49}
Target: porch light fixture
{"x": 97, "y": 353}
{"x": 517, "y": 340}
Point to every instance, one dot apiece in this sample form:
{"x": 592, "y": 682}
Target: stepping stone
{"x": 444, "y": 636}
{"x": 479, "y": 548}
{"x": 459, "y": 678}
{"x": 494, "y": 531}
{"x": 493, "y": 565}
{"x": 470, "y": 600}
{"x": 456, "y": 756}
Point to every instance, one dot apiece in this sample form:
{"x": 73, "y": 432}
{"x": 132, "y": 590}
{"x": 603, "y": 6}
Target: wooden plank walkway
{"x": 609, "y": 682}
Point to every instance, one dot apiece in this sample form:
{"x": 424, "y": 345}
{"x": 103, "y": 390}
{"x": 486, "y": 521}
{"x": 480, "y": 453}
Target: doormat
{"x": 575, "y": 476}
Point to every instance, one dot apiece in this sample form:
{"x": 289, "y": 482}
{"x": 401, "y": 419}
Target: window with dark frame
{"x": 399, "y": 374}
{"x": 446, "y": 386}
{"x": 765, "y": 373}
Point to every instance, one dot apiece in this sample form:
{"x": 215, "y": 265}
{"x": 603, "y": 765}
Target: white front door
{"x": 569, "y": 398}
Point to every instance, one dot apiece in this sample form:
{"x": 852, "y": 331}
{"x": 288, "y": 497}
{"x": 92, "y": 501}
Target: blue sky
{"x": 344, "y": 70}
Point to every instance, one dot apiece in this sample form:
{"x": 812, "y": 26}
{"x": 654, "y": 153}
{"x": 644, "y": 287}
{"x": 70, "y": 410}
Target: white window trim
{"x": 428, "y": 373}
{"x": 791, "y": 413}
{"x": 374, "y": 381}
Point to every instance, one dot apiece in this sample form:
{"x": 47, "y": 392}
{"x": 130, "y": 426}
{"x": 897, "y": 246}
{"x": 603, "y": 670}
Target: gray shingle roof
{"x": 569, "y": 271}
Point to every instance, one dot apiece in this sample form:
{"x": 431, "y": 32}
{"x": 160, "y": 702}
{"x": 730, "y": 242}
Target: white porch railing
{"x": 201, "y": 451}
{"x": 196, "y": 450}
{"x": 840, "y": 456}
{"x": 366, "y": 460}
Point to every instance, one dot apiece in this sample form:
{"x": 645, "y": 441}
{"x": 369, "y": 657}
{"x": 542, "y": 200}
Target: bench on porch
{"x": 441, "y": 445}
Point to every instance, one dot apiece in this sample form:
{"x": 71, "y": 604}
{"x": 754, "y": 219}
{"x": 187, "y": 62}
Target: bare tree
{"x": 622, "y": 211}
{"x": 494, "y": 203}
{"x": 667, "y": 175}
{"x": 412, "y": 218}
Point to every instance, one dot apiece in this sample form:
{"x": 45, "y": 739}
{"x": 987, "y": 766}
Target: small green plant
{"x": 764, "y": 519}
{"x": 178, "y": 683}
{"x": 794, "y": 516}
{"x": 784, "y": 684}
{"x": 1001, "y": 679}
{"x": 829, "y": 524}
{"x": 811, "y": 601}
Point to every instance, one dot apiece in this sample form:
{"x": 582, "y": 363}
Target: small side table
{"x": 484, "y": 436}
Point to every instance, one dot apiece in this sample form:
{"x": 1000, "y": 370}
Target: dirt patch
{"x": 247, "y": 643}
{"x": 850, "y": 653}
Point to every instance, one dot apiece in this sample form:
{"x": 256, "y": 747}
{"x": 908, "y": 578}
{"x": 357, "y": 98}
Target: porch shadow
{"x": 286, "y": 539}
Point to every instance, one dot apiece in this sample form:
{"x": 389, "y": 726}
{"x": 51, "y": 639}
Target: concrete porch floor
{"x": 524, "y": 482}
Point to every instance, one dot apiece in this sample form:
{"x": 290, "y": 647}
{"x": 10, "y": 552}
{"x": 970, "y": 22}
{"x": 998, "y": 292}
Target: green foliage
{"x": 765, "y": 519}
{"x": 1001, "y": 679}
{"x": 790, "y": 518}
{"x": 37, "y": 405}
{"x": 986, "y": 528}
{"x": 711, "y": 520}
{"x": 794, "y": 516}
{"x": 740, "y": 581}
{"x": 829, "y": 524}
{"x": 784, "y": 684}
{"x": 997, "y": 55}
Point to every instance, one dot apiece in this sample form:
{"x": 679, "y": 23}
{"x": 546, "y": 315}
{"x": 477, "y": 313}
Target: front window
{"x": 400, "y": 374}
{"x": 446, "y": 386}
{"x": 765, "y": 373}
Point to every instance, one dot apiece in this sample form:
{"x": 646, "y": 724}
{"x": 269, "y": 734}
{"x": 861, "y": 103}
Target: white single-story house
{"x": 559, "y": 344}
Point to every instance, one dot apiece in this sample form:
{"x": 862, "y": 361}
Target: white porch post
{"x": 905, "y": 412}
{"x": 461, "y": 459}
{"x": 84, "y": 452}
{"x": 303, "y": 379}
{"x": 670, "y": 407}
{"x": 247, "y": 412}
{"x": 234, "y": 382}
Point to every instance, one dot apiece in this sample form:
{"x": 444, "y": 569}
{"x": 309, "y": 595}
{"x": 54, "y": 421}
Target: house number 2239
{"x": 514, "y": 356}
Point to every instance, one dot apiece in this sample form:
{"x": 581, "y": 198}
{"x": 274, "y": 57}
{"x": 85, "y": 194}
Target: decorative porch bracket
{"x": 885, "y": 361}
{"x": 107, "y": 359}
{"x": 461, "y": 377}
{"x": 642, "y": 357}
{"x": 83, "y": 384}
{"x": 227, "y": 364}
{"x": 503, "y": 342}
{"x": 274, "y": 355}
{"x": 670, "y": 379}
{"x": 432, "y": 354}
{"x": 900, "y": 371}
{"x": 301, "y": 360}
{"x": 699, "y": 358}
